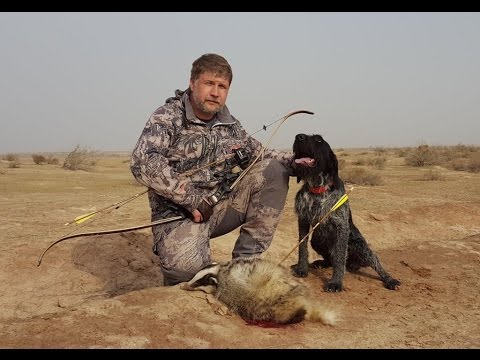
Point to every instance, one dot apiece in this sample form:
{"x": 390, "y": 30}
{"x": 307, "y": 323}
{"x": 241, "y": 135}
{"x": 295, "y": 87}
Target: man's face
{"x": 209, "y": 94}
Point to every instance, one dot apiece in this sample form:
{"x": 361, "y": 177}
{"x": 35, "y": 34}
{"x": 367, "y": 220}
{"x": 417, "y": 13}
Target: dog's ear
{"x": 333, "y": 169}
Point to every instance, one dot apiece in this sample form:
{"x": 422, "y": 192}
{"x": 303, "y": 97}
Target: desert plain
{"x": 105, "y": 291}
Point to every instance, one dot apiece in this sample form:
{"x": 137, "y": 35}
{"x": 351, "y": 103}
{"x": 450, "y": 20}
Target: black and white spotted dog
{"x": 336, "y": 239}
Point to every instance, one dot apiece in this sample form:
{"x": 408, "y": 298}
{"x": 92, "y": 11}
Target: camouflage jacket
{"x": 174, "y": 141}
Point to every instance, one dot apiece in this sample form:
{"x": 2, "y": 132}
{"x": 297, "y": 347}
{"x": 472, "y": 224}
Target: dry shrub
{"x": 80, "y": 159}
{"x": 52, "y": 160}
{"x": 464, "y": 150}
{"x": 421, "y": 156}
{"x": 12, "y": 164}
{"x": 10, "y": 157}
{"x": 433, "y": 175}
{"x": 360, "y": 176}
{"x": 450, "y": 154}
{"x": 341, "y": 155}
{"x": 402, "y": 152}
{"x": 360, "y": 162}
{"x": 462, "y": 164}
{"x": 39, "y": 159}
{"x": 13, "y": 160}
{"x": 474, "y": 163}
{"x": 378, "y": 162}
{"x": 380, "y": 150}
{"x": 459, "y": 157}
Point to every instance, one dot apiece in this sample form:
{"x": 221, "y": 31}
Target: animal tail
{"x": 326, "y": 316}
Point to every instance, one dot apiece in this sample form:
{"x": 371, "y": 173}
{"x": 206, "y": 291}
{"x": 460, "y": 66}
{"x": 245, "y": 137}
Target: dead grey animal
{"x": 259, "y": 291}
{"x": 336, "y": 239}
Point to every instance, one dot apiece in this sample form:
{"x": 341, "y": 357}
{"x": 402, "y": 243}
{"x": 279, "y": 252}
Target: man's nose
{"x": 214, "y": 90}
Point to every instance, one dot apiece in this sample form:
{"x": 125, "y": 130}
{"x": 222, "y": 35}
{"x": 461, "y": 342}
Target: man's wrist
{"x": 206, "y": 209}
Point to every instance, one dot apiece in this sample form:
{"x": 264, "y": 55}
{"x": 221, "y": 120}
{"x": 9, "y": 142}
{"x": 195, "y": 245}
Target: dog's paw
{"x": 392, "y": 284}
{"x": 333, "y": 286}
{"x": 299, "y": 270}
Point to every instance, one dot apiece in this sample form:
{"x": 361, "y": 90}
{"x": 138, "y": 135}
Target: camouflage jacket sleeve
{"x": 285, "y": 157}
{"x": 150, "y": 166}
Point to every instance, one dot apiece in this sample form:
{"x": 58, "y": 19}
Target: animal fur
{"x": 336, "y": 239}
{"x": 259, "y": 291}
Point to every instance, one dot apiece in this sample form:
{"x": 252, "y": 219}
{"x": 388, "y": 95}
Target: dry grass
{"x": 459, "y": 157}
{"x": 10, "y": 157}
{"x": 433, "y": 175}
{"x": 360, "y": 176}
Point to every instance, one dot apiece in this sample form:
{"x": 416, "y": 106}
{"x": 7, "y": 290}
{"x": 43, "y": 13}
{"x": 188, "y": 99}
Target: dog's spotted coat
{"x": 336, "y": 239}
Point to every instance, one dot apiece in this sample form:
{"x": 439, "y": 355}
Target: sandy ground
{"x": 106, "y": 291}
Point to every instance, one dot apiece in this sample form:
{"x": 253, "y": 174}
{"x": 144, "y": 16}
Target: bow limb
{"x": 264, "y": 147}
{"x": 157, "y": 222}
{"x": 278, "y": 127}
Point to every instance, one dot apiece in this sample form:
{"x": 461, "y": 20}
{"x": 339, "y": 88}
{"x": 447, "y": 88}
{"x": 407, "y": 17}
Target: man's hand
{"x": 197, "y": 216}
{"x": 203, "y": 212}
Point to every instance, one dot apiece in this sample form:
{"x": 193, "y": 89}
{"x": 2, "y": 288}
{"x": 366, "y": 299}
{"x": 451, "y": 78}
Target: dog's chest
{"x": 311, "y": 206}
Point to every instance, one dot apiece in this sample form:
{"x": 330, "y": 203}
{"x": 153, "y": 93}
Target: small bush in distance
{"x": 39, "y": 159}
{"x": 80, "y": 159}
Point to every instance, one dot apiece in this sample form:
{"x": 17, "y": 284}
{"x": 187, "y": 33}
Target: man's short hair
{"x": 213, "y": 63}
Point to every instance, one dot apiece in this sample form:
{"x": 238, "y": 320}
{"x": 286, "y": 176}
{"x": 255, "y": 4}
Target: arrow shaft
{"x": 82, "y": 218}
{"x": 339, "y": 203}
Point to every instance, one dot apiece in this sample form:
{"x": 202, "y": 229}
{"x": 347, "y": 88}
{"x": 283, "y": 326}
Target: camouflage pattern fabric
{"x": 255, "y": 204}
{"x": 174, "y": 141}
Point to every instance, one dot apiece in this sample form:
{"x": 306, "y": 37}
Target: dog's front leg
{"x": 339, "y": 260}
{"x": 301, "y": 268}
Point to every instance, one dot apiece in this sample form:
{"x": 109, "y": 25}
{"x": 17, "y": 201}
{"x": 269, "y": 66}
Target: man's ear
{"x": 191, "y": 84}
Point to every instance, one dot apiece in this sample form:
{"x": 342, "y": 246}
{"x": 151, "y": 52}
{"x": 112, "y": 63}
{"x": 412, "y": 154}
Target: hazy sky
{"x": 372, "y": 79}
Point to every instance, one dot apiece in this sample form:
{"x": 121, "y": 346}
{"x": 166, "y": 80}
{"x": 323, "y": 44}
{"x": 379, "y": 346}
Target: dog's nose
{"x": 300, "y": 137}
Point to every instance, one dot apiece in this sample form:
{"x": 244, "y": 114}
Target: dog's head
{"x": 314, "y": 158}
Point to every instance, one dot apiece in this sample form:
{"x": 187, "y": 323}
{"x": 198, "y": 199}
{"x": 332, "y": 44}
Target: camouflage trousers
{"x": 255, "y": 204}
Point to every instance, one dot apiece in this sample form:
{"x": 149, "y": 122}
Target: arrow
{"x": 81, "y": 218}
{"x": 339, "y": 203}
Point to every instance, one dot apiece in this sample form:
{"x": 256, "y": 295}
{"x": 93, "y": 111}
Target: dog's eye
{"x": 318, "y": 138}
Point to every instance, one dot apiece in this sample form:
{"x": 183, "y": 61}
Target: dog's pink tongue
{"x": 305, "y": 161}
